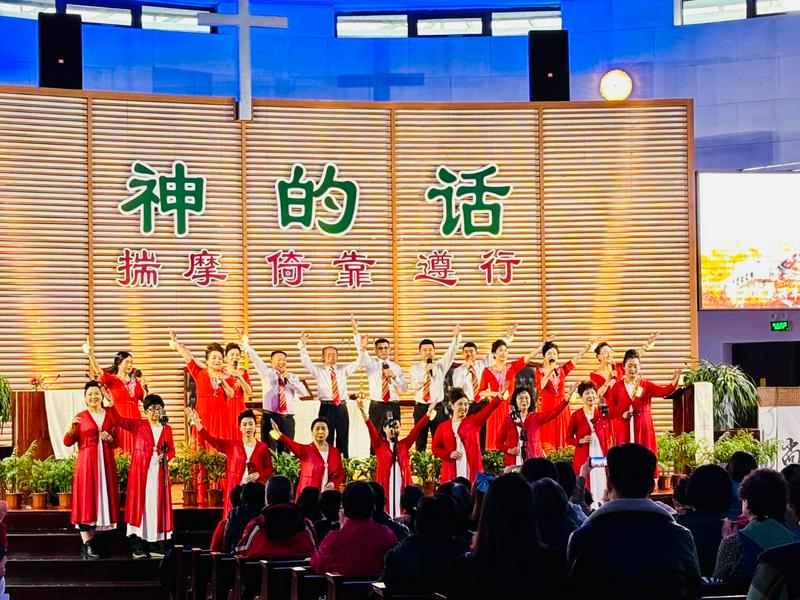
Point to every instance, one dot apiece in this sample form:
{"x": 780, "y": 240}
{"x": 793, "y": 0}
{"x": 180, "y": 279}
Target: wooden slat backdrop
{"x": 601, "y": 215}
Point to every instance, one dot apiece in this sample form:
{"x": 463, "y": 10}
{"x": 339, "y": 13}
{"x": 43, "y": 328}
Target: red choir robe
{"x": 85, "y": 480}
{"x": 384, "y": 456}
{"x": 509, "y": 433}
{"x": 641, "y": 403}
{"x": 236, "y": 455}
{"x": 614, "y": 424}
{"x": 312, "y": 467}
{"x": 235, "y": 406}
{"x": 140, "y": 463}
{"x": 126, "y": 403}
{"x": 489, "y": 382}
{"x": 578, "y": 428}
{"x": 554, "y": 432}
{"x": 444, "y": 441}
{"x": 213, "y": 405}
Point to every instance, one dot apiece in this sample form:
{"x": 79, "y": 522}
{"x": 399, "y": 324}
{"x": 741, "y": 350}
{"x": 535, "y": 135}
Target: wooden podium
{"x": 29, "y": 420}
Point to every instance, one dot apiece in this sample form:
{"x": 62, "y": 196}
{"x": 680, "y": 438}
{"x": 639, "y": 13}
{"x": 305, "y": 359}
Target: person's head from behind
{"x": 330, "y": 501}
{"x": 463, "y": 500}
{"x": 279, "y": 490}
{"x": 791, "y": 472}
{"x": 740, "y": 464}
{"x": 507, "y": 538}
{"x": 631, "y": 468}
{"x": 380, "y": 496}
{"x": 358, "y": 500}
{"x": 549, "y": 500}
{"x": 253, "y": 493}
{"x": 794, "y": 497}
{"x": 764, "y": 495}
{"x": 409, "y": 498}
{"x": 235, "y": 495}
{"x": 680, "y": 497}
{"x": 308, "y": 501}
{"x": 566, "y": 477}
{"x": 465, "y": 482}
{"x": 538, "y": 468}
{"x": 436, "y": 516}
{"x": 709, "y": 490}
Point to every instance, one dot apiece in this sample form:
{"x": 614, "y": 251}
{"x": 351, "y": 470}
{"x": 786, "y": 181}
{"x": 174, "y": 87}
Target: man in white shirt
{"x": 428, "y": 381}
{"x": 385, "y": 378}
{"x": 281, "y": 390}
{"x": 331, "y": 381}
{"x": 467, "y": 376}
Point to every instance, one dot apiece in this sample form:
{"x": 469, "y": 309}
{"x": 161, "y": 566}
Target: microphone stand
{"x": 165, "y": 482}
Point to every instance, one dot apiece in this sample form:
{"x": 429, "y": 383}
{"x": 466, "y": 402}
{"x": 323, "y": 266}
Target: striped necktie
{"x": 335, "y": 389}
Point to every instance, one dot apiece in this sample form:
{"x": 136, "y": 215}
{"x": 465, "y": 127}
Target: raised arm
{"x": 258, "y": 363}
{"x": 124, "y": 422}
{"x": 185, "y": 353}
{"x": 224, "y": 446}
{"x": 450, "y": 354}
{"x": 305, "y": 359}
{"x": 419, "y": 426}
{"x": 577, "y": 358}
{"x": 95, "y": 370}
{"x": 297, "y": 449}
{"x": 650, "y": 343}
{"x": 374, "y": 436}
{"x": 361, "y": 348}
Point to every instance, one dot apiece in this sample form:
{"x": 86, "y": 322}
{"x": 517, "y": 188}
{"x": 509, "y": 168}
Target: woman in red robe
{"x": 248, "y": 459}
{"x": 549, "y": 381}
{"x": 95, "y": 502}
{"x": 500, "y": 374}
{"x": 148, "y": 502}
{"x": 588, "y": 432}
{"x": 125, "y": 387}
{"x": 393, "y": 469}
{"x": 508, "y": 439}
{"x": 320, "y": 462}
{"x": 632, "y": 400}
{"x": 457, "y": 440}
{"x": 239, "y": 380}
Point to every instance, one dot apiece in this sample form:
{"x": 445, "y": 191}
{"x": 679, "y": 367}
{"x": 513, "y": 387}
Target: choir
{"x": 485, "y": 407}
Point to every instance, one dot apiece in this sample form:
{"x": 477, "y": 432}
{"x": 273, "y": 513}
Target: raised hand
{"x": 304, "y": 338}
{"x": 87, "y": 347}
{"x": 512, "y": 329}
{"x": 648, "y": 345}
{"x": 354, "y": 323}
{"x": 456, "y": 330}
{"x": 364, "y": 342}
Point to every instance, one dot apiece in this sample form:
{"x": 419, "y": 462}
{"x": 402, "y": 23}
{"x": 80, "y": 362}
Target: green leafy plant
{"x": 359, "y": 469}
{"x": 688, "y": 451}
{"x": 214, "y": 465}
{"x": 123, "y": 462}
{"x": 42, "y": 477}
{"x": 493, "y": 462}
{"x": 735, "y": 395}
{"x": 183, "y": 468}
{"x": 5, "y": 402}
{"x": 554, "y": 454}
{"x": 665, "y": 449}
{"x": 426, "y": 467}
{"x": 18, "y": 469}
{"x": 63, "y": 474}
{"x": 742, "y": 441}
{"x": 286, "y": 464}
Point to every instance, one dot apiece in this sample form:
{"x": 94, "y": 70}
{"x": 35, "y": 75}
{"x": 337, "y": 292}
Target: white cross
{"x": 244, "y": 22}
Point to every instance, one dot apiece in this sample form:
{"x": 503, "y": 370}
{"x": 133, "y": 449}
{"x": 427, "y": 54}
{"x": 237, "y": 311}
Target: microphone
{"x": 386, "y": 365}
{"x": 429, "y": 361}
{"x": 163, "y": 419}
{"x": 603, "y": 407}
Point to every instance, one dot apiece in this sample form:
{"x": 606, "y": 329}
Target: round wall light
{"x": 616, "y": 85}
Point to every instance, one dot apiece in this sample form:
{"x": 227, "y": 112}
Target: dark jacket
{"x": 555, "y": 531}
{"x": 632, "y": 549}
{"x": 323, "y": 527}
{"x": 238, "y": 518}
{"x": 778, "y": 574}
{"x": 707, "y": 534}
{"x": 399, "y": 530}
{"x": 416, "y": 564}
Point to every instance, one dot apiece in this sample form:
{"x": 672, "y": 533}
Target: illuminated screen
{"x": 749, "y": 230}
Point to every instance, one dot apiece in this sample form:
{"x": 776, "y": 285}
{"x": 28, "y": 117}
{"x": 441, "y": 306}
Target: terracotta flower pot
{"x": 38, "y": 500}
{"x": 189, "y": 497}
{"x": 215, "y": 498}
{"x": 65, "y": 500}
{"x": 676, "y": 479}
{"x": 665, "y": 483}
{"x": 13, "y": 500}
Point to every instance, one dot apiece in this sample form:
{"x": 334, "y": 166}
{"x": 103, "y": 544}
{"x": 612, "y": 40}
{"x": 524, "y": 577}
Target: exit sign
{"x": 779, "y": 325}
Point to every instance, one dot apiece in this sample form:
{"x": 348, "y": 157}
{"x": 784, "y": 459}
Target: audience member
{"x": 764, "y": 496}
{"x": 409, "y": 498}
{"x": 463, "y": 501}
{"x": 416, "y": 564}
{"x": 569, "y": 483}
{"x": 330, "y": 501}
{"x": 280, "y": 530}
{"x": 790, "y": 474}
{"x": 708, "y": 495}
{"x": 679, "y": 498}
{"x": 482, "y": 482}
{"x": 218, "y": 537}
{"x": 631, "y": 548}
{"x": 308, "y": 501}
{"x": 538, "y": 468}
{"x": 554, "y": 516}
{"x": 465, "y": 482}
{"x": 252, "y": 503}
{"x": 738, "y": 467}
{"x": 360, "y": 544}
{"x": 508, "y": 559}
{"x": 380, "y": 516}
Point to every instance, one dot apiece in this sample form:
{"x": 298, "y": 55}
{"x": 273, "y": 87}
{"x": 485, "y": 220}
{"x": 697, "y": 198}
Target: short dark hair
{"x": 630, "y": 355}
{"x": 436, "y": 516}
{"x": 92, "y": 384}
{"x": 566, "y": 476}
{"x": 766, "y": 493}
{"x": 380, "y": 495}
{"x": 740, "y": 464}
{"x": 790, "y": 472}
{"x": 308, "y": 501}
{"x": 253, "y": 492}
{"x": 520, "y": 389}
{"x": 236, "y": 495}
{"x": 631, "y": 469}
{"x": 381, "y": 341}
{"x": 320, "y": 420}
{"x": 537, "y": 468}
{"x": 497, "y": 344}
{"x": 463, "y": 499}
{"x": 152, "y": 399}
{"x": 278, "y": 490}
{"x": 469, "y": 345}
{"x": 409, "y": 498}
{"x": 600, "y": 346}
{"x": 214, "y": 347}
{"x": 547, "y": 346}
{"x": 426, "y": 342}
{"x": 330, "y": 501}
{"x": 549, "y": 499}
{"x": 247, "y": 414}
{"x": 586, "y": 385}
{"x": 709, "y": 490}
{"x": 334, "y": 348}
{"x": 794, "y": 494}
{"x": 358, "y": 500}
{"x": 232, "y": 346}
{"x": 274, "y": 352}
{"x": 457, "y": 394}
{"x": 680, "y": 493}
{"x": 465, "y": 482}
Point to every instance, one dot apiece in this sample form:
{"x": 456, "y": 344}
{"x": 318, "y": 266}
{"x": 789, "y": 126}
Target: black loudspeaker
{"x": 548, "y": 65}
{"x": 776, "y": 363}
{"x": 60, "y": 52}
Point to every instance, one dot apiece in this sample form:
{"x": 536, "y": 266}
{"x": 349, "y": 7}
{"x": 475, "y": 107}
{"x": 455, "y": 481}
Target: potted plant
{"x": 735, "y": 394}
{"x": 359, "y": 469}
{"x": 123, "y": 462}
{"x": 63, "y": 474}
{"x": 5, "y": 402}
{"x": 665, "y": 448}
{"x": 214, "y": 465}
{"x": 493, "y": 462}
{"x": 17, "y": 468}
{"x": 183, "y": 468}
{"x": 286, "y": 464}
{"x": 554, "y": 454}
{"x": 686, "y": 448}
{"x": 743, "y": 441}
{"x": 42, "y": 479}
{"x": 427, "y": 469}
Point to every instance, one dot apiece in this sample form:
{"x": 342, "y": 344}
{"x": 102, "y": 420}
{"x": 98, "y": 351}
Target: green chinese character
{"x": 181, "y": 195}
{"x": 145, "y": 200}
{"x": 295, "y": 199}
{"x": 346, "y": 210}
{"x": 473, "y": 185}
